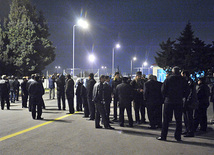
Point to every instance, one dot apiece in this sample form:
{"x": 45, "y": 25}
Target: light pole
{"x": 91, "y": 58}
{"x": 57, "y": 67}
{"x": 144, "y": 64}
{"x": 105, "y": 69}
{"x": 117, "y": 46}
{"x": 84, "y": 25}
{"x": 133, "y": 59}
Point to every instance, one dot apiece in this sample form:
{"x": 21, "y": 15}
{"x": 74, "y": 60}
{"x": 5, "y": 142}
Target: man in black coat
{"x": 83, "y": 94}
{"x": 200, "y": 116}
{"x": 89, "y": 87}
{"x": 117, "y": 80}
{"x": 154, "y": 99}
{"x": 107, "y": 95}
{"x": 124, "y": 92}
{"x": 36, "y": 90}
{"x": 174, "y": 89}
{"x": 139, "y": 104}
{"x": 4, "y": 92}
{"x": 60, "y": 82}
{"x": 24, "y": 92}
{"x": 69, "y": 90}
{"x": 98, "y": 98}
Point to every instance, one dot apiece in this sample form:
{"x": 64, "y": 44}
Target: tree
{"x": 29, "y": 47}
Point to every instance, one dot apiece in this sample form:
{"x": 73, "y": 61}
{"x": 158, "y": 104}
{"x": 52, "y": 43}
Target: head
{"x": 24, "y": 78}
{"x": 33, "y": 76}
{"x": 150, "y": 77}
{"x": 107, "y": 78}
{"x": 125, "y": 79}
{"x": 201, "y": 80}
{"x": 102, "y": 78}
{"x": 91, "y": 75}
{"x": 138, "y": 75}
{"x": 68, "y": 76}
{"x": 155, "y": 77}
{"x": 176, "y": 70}
{"x": 117, "y": 75}
{"x": 185, "y": 73}
{"x": 4, "y": 77}
{"x": 36, "y": 77}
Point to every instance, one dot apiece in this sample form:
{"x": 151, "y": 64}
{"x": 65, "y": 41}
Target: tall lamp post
{"x": 82, "y": 23}
{"x": 117, "y": 46}
{"x": 133, "y": 59}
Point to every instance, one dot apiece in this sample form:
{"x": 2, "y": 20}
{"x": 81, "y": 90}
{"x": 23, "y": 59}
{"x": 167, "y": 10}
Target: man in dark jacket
{"x": 60, "y": 82}
{"x": 117, "y": 80}
{"x": 36, "y": 90}
{"x": 24, "y": 92}
{"x": 174, "y": 89}
{"x": 124, "y": 92}
{"x": 78, "y": 96}
{"x": 139, "y": 104}
{"x": 89, "y": 87}
{"x": 83, "y": 94}
{"x": 69, "y": 90}
{"x": 28, "y": 84}
{"x": 154, "y": 99}
{"x": 4, "y": 92}
{"x": 51, "y": 87}
{"x": 107, "y": 95}
{"x": 200, "y": 116}
{"x": 12, "y": 89}
{"x": 16, "y": 88}
{"x": 98, "y": 98}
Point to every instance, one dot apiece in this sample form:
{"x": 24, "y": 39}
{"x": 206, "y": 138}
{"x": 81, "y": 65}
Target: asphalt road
{"x": 62, "y": 134}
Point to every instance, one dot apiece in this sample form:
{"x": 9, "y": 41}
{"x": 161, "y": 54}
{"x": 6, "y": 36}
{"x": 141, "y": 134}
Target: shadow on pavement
{"x": 61, "y": 121}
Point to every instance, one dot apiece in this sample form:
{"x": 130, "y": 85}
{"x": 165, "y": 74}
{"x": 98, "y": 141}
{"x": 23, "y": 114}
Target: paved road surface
{"x": 62, "y": 134}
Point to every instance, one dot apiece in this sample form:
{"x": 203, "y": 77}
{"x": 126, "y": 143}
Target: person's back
{"x": 125, "y": 93}
{"x": 90, "y": 85}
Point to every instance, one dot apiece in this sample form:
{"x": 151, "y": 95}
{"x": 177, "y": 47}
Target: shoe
{"x": 68, "y": 113}
{"x": 122, "y": 125}
{"x": 114, "y": 120}
{"x": 98, "y": 127}
{"x": 130, "y": 126}
{"x": 85, "y": 117}
{"x": 178, "y": 139}
{"x": 161, "y": 138}
{"x": 111, "y": 128}
{"x": 152, "y": 127}
{"x": 111, "y": 122}
{"x": 40, "y": 118}
{"x": 8, "y": 108}
{"x": 184, "y": 133}
{"x": 64, "y": 109}
{"x": 90, "y": 119}
{"x": 189, "y": 135}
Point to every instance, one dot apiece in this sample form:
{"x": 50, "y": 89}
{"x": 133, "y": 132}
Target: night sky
{"x": 138, "y": 25}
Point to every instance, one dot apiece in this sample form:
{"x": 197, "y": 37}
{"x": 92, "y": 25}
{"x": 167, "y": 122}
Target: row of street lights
{"x": 83, "y": 24}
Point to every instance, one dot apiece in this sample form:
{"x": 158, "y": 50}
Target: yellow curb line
{"x": 32, "y": 128}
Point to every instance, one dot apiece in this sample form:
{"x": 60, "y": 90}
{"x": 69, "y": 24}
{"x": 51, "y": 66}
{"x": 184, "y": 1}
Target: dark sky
{"x": 139, "y": 25}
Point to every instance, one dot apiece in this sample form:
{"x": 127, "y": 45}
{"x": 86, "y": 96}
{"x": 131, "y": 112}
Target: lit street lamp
{"x": 91, "y": 58}
{"x": 117, "y": 46}
{"x": 133, "y": 59}
{"x": 57, "y": 67}
{"x": 144, "y": 64}
{"x": 105, "y": 69}
{"x": 82, "y": 23}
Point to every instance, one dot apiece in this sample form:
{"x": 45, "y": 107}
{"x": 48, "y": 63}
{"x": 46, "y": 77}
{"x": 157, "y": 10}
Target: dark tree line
{"x": 188, "y": 52}
{"x": 25, "y": 47}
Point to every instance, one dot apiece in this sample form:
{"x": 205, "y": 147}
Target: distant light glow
{"x": 82, "y": 23}
{"x": 145, "y": 63}
{"x": 91, "y": 58}
{"x": 134, "y": 58}
{"x": 117, "y": 45}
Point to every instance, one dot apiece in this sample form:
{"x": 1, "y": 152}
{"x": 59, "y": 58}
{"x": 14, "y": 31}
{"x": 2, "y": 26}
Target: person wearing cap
{"x": 174, "y": 89}
{"x": 16, "y": 88}
{"x": 200, "y": 115}
{"x": 90, "y": 85}
{"x": 24, "y": 92}
{"x": 69, "y": 91}
{"x": 60, "y": 82}
{"x": 4, "y": 92}
{"x": 154, "y": 99}
{"x": 116, "y": 81}
{"x": 125, "y": 93}
{"x": 99, "y": 100}
{"x": 139, "y": 104}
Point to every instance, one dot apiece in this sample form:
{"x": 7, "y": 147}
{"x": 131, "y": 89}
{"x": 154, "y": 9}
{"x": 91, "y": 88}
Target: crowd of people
{"x": 178, "y": 93}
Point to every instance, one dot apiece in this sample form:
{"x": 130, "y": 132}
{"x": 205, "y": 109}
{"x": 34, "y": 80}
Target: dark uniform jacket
{"x": 4, "y": 88}
{"x": 89, "y": 88}
{"x": 69, "y": 88}
{"x": 36, "y": 90}
{"x": 60, "y": 84}
{"x": 137, "y": 85}
{"x": 24, "y": 88}
{"x": 98, "y": 93}
{"x": 107, "y": 92}
{"x": 115, "y": 82}
{"x": 203, "y": 93}
{"x": 152, "y": 92}
{"x": 174, "y": 89}
{"x": 124, "y": 92}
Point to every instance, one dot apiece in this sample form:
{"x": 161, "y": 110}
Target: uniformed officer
{"x": 69, "y": 90}
{"x": 4, "y": 92}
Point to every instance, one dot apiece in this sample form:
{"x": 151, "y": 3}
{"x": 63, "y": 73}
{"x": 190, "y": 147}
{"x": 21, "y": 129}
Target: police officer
{"x": 153, "y": 98}
{"x": 24, "y": 92}
{"x": 124, "y": 93}
{"x": 98, "y": 98}
{"x": 69, "y": 90}
{"x": 83, "y": 94}
{"x": 36, "y": 91}
{"x": 60, "y": 82}
{"x": 174, "y": 89}
{"x": 89, "y": 87}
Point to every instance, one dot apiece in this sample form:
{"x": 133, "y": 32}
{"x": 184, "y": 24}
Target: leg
{"x": 97, "y": 118}
{"x": 129, "y": 113}
{"x": 178, "y": 118}
{"x": 121, "y": 116}
{"x": 137, "y": 109}
{"x": 115, "y": 108}
{"x": 63, "y": 101}
{"x": 203, "y": 120}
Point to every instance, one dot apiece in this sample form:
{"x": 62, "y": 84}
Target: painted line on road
{"x": 32, "y": 128}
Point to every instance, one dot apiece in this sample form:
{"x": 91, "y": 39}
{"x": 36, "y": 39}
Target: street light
{"x": 91, "y": 58}
{"x": 82, "y": 23}
{"x": 105, "y": 69}
{"x": 133, "y": 59}
{"x": 144, "y": 64}
{"x": 117, "y": 46}
{"x": 57, "y": 67}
